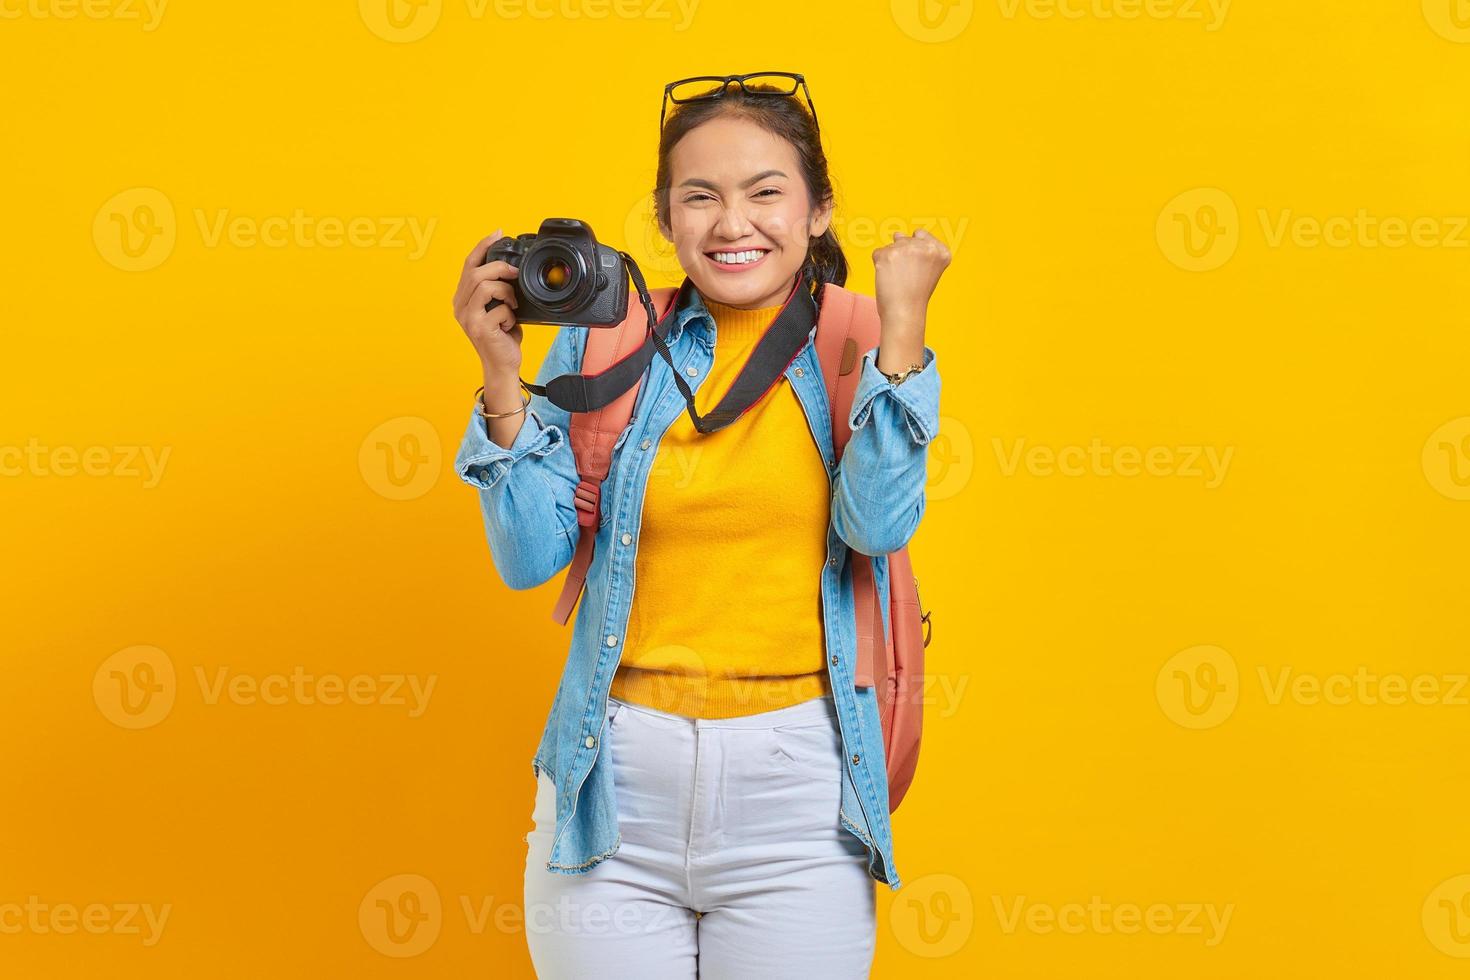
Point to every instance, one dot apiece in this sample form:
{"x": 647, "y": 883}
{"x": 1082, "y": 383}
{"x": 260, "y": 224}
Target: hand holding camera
{"x": 484, "y": 304}
{"x": 560, "y": 275}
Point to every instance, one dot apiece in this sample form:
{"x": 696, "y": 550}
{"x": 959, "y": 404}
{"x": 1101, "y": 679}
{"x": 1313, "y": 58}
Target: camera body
{"x": 567, "y": 276}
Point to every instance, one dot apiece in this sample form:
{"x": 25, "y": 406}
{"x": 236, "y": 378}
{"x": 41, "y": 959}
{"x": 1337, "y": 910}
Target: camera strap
{"x": 766, "y": 364}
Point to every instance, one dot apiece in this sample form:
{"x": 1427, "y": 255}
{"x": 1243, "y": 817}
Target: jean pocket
{"x": 615, "y": 710}
{"x": 813, "y": 751}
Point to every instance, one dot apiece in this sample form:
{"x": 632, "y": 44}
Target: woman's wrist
{"x": 900, "y": 350}
{"x": 500, "y": 379}
{"x": 503, "y": 394}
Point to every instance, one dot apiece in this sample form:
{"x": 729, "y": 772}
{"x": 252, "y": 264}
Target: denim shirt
{"x": 526, "y": 498}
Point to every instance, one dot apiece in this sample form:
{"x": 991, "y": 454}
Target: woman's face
{"x": 737, "y": 188}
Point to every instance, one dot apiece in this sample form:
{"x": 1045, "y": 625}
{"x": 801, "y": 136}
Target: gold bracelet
{"x": 480, "y": 404}
{"x": 899, "y": 377}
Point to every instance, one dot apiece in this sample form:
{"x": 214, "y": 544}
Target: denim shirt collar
{"x": 693, "y": 310}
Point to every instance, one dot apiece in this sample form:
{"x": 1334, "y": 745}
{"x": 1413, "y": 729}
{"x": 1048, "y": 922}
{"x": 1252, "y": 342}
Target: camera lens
{"x": 555, "y": 274}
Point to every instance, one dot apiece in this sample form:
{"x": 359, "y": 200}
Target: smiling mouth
{"x": 748, "y": 256}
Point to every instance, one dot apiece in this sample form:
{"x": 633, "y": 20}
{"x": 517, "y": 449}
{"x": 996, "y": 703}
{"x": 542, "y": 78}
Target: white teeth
{"x": 738, "y": 258}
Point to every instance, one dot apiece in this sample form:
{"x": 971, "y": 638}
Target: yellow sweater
{"x": 726, "y": 613}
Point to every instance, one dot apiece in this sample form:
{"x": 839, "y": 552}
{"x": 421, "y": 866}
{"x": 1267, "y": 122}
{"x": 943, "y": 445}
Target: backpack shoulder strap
{"x": 593, "y": 434}
{"x": 847, "y": 326}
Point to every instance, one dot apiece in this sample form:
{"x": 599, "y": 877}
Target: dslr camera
{"x": 567, "y": 276}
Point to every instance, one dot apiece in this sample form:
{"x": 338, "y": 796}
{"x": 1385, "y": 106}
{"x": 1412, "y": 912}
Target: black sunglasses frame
{"x": 725, "y": 80}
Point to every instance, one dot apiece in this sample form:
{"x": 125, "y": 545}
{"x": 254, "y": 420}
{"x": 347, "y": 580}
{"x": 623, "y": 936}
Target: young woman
{"x": 734, "y": 823}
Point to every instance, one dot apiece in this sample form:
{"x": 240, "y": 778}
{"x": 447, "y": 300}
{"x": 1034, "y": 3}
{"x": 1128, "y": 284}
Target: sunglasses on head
{"x": 704, "y": 87}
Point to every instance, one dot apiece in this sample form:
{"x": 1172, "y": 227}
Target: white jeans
{"x": 732, "y": 864}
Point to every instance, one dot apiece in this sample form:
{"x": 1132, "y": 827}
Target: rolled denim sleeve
{"x": 878, "y": 491}
{"x": 483, "y": 463}
{"x": 527, "y": 490}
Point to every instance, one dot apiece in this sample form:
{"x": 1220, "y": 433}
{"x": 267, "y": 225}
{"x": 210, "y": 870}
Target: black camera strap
{"x": 766, "y": 364}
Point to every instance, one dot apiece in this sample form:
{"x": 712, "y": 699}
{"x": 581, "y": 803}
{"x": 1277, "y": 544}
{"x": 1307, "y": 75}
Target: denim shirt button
{"x": 626, "y": 538}
{"x": 856, "y": 758}
{"x": 590, "y": 741}
{"x": 645, "y": 444}
{"x": 612, "y": 639}
{"x": 691, "y": 370}
{"x": 832, "y": 562}
{"x": 834, "y": 660}
{"x": 799, "y": 373}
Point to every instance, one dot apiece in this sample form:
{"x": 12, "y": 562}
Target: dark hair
{"x": 785, "y": 117}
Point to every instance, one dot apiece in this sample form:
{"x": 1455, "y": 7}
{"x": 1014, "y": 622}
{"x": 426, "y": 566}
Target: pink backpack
{"x": 893, "y": 663}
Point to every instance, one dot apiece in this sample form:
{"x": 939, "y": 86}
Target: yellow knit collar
{"x": 741, "y": 325}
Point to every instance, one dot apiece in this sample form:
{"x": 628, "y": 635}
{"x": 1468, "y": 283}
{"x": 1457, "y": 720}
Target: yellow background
{"x": 1062, "y": 151}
